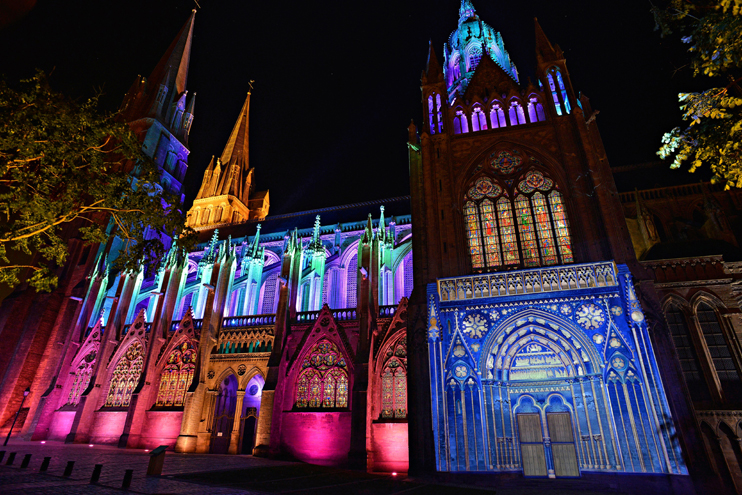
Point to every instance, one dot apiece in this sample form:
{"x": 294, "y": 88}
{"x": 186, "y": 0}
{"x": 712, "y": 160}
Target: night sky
{"x": 336, "y": 83}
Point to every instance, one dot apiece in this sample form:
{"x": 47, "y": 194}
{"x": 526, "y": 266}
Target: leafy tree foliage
{"x": 68, "y": 170}
{"x": 713, "y": 29}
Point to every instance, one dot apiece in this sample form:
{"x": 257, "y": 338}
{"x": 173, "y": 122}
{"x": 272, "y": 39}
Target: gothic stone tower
{"x": 529, "y": 348}
{"x": 57, "y": 370}
{"x": 225, "y": 194}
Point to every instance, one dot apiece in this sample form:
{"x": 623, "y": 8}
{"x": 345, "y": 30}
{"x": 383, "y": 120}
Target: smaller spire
{"x": 191, "y": 104}
{"x": 433, "y": 70}
{"x": 256, "y": 243}
{"x": 211, "y": 254}
{"x": 203, "y": 191}
{"x": 316, "y": 244}
{"x": 545, "y": 52}
{"x": 368, "y": 234}
{"x": 466, "y": 11}
{"x": 382, "y": 226}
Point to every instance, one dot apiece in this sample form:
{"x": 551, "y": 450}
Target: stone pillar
{"x": 234, "y": 441}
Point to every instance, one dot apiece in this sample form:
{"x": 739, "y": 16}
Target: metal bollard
{"x": 26, "y": 461}
{"x": 96, "y": 473}
{"x": 127, "y": 479}
{"x": 2, "y": 455}
{"x": 11, "y": 458}
{"x": 45, "y": 464}
{"x": 68, "y": 470}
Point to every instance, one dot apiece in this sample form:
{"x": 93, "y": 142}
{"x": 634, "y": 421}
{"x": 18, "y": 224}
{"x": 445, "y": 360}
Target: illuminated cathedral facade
{"x": 527, "y": 338}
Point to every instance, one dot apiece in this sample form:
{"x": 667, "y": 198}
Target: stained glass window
{"x": 352, "y": 280}
{"x": 478, "y": 119}
{"x": 527, "y": 231}
{"x": 510, "y": 254}
{"x": 543, "y": 227}
{"x": 489, "y": 232}
{"x": 177, "y": 376}
{"x": 324, "y": 379}
{"x": 497, "y": 116}
{"x": 532, "y": 229}
{"x": 82, "y": 378}
{"x": 559, "y": 215}
{"x": 460, "y": 122}
{"x": 125, "y": 377}
{"x": 394, "y": 381}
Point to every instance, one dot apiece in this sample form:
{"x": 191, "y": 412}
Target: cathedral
{"x": 549, "y": 326}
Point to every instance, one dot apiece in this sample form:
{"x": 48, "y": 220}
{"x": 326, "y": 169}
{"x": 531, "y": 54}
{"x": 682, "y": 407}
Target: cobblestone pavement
{"x": 246, "y": 475}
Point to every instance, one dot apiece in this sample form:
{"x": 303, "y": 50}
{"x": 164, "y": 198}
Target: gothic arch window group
{"x": 323, "y": 381}
{"x": 177, "y": 376}
{"x": 518, "y": 222}
{"x": 125, "y": 377}
{"x": 496, "y": 114}
{"x": 394, "y": 381}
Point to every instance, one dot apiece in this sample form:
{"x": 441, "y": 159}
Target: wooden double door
{"x": 561, "y": 446}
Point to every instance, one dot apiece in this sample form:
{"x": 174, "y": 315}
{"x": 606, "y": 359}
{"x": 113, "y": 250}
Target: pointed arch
{"x": 478, "y": 118}
{"x": 125, "y": 375}
{"x": 497, "y": 115}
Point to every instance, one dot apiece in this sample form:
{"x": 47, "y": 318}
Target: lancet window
{"x": 718, "y": 348}
{"x": 323, "y": 381}
{"x": 516, "y": 223}
{"x": 82, "y": 378}
{"x": 177, "y": 376}
{"x": 535, "y": 110}
{"x": 687, "y": 355}
{"x": 558, "y": 91}
{"x": 497, "y": 116}
{"x": 478, "y": 119}
{"x": 517, "y": 116}
{"x": 460, "y": 122}
{"x": 394, "y": 381}
{"x": 125, "y": 377}
{"x": 435, "y": 113}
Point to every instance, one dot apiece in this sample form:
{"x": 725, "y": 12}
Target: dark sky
{"x": 338, "y": 82}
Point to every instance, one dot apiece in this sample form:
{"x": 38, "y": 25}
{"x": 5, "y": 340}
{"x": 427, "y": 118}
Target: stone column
{"x": 234, "y": 441}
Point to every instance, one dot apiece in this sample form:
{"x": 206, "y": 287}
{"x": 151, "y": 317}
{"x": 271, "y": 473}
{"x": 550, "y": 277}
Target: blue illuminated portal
{"x": 549, "y": 371}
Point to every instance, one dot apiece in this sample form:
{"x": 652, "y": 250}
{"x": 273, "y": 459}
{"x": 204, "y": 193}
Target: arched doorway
{"x": 224, "y": 410}
{"x": 250, "y": 413}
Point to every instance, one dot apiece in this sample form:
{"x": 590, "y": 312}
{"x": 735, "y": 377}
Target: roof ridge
{"x": 331, "y": 208}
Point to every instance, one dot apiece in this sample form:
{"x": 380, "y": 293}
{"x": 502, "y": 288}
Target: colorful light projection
{"x": 538, "y": 385}
{"x": 394, "y": 381}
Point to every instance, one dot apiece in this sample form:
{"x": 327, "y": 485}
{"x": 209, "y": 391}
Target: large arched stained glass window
{"x": 82, "y": 378}
{"x": 323, "y": 381}
{"x": 125, "y": 377}
{"x": 177, "y": 376}
{"x": 518, "y": 222}
{"x": 394, "y": 381}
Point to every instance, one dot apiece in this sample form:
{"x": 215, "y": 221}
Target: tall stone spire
{"x": 167, "y": 83}
{"x": 235, "y": 159}
{"x": 545, "y": 51}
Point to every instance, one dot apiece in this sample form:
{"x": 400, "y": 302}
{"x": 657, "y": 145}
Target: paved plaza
{"x": 232, "y": 474}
